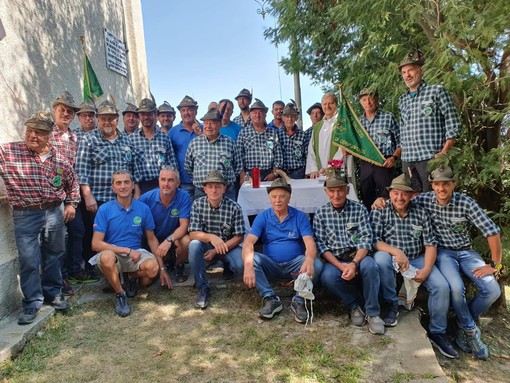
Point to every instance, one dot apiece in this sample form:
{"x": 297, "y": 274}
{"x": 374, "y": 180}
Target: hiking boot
{"x": 214, "y": 267}
{"x": 27, "y": 316}
{"x": 443, "y": 345}
{"x": 203, "y": 298}
{"x": 390, "y": 318}
{"x": 81, "y": 277}
{"x": 375, "y": 325}
{"x": 461, "y": 340}
{"x": 58, "y": 303}
{"x": 67, "y": 289}
{"x": 479, "y": 349}
{"x": 121, "y": 305}
{"x": 272, "y": 306}
{"x": 228, "y": 274}
{"x": 357, "y": 317}
{"x": 132, "y": 287}
{"x": 299, "y": 310}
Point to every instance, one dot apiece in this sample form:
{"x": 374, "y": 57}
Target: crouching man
{"x": 289, "y": 250}
{"x": 118, "y": 230}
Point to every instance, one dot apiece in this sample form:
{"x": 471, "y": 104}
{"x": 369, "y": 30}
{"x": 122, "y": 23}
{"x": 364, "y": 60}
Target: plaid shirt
{"x": 203, "y": 156}
{"x": 260, "y": 150}
{"x": 427, "y": 120}
{"x": 99, "y": 158}
{"x": 66, "y": 143}
{"x": 30, "y": 182}
{"x": 151, "y": 155}
{"x": 240, "y": 121}
{"x": 384, "y": 131}
{"x": 342, "y": 230}
{"x": 294, "y": 148}
{"x": 80, "y": 133}
{"x": 224, "y": 221}
{"x": 452, "y": 223}
{"x": 409, "y": 234}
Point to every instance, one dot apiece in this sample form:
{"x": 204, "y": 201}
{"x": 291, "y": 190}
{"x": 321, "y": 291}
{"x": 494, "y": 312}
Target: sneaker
{"x": 479, "y": 349}
{"x": 228, "y": 274}
{"x": 357, "y": 317}
{"x": 203, "y": 298}
{"x": 390, "y": 317}
{"x": 27, "y": 316}
{"x": 180, "y": 274}
{"x": 461, "y": 340}
{"x": 67, "y": 289}
{"x": 214, "y": 267}
{"x": 132, "y": 287}
{"x": 58, "y": 303}
{"x": 376, "y": 325}
{"x": 443, "y": 345}
{"x": 121, "y": 305}
{"x": 81, "y": 277}
{"x": 299, "y": 310}
{"x": 271, "y": 307}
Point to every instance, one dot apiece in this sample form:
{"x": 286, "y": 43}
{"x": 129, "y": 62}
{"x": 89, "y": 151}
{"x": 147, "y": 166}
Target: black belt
{"x": 461, "y": 248}
{"x": 42, "y": 206}
{"x": 293, "y": 170}
{"x": 347, "y": 256}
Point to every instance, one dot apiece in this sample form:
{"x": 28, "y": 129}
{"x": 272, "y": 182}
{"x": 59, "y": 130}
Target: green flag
{"x": 91, "y": 86}
{"x": 351, "y": 135}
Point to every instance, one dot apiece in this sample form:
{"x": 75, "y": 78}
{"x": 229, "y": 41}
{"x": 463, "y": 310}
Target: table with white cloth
{"x": 307, "y": 195}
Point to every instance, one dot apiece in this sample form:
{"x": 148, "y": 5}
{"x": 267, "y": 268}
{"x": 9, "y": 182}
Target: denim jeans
{"x": 266, "y": 269}
{"x": 197, "y": 263}
{"x": 452, "y": 263}
{"x": 40, "y": 238}
{"x": 362, "y": 290}
{"x": 388, "y": 287}
{"x": 72, "y": 260}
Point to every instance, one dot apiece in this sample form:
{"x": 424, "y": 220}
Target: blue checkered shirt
{"x": 342, "y": 230}
{"x": 294, "y": 148}
{"x": 384, "y": 131}
{"x": 410, "y": 234}
{"x": 66, "y": 143}
{"x": 151, "y": 155}
{"x": 203, "y": 156}
{"x": 427, "y": 120}
{"x": 261, "y": 150}
{"x": 98, "y": 158}
{"x": 225, "y": 221}
{"x": 240, "y": 121}
{"x": 452, "y": 223}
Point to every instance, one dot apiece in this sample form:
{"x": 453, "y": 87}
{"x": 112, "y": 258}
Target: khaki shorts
{"x": 125, "y": 264}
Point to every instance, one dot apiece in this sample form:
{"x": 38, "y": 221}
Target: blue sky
{"x": 211, "y": 50}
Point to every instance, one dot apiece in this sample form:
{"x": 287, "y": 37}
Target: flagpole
{"x": 85, "y": 71}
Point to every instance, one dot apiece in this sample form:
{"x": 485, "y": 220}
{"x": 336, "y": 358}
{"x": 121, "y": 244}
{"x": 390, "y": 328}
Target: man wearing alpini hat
{"x": 429, "y": 123}
{"x": 87, "y": 118}
{"x": 130, "y": 118}
{"x": 243, "y": 102}
{"x": 166, "y": 116}
{"x": 43, "y": 191}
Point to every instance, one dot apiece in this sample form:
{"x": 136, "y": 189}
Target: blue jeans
{"x": 40, "y": 238}
{"x": 363, "y": 290}
{"x": 388, "y": 287}
{"x": 265, "y": 269}
{"x": 197, "y": 263}
{"x": 452, "y": 263}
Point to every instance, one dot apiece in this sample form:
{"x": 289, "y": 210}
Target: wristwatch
{"x": 169, "y": 239}
{"x": 497, "y": 266}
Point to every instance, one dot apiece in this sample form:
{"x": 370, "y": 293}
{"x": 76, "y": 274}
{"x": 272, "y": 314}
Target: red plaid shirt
{"x": 65, "y": 142}
{"x": 29, "y": 181}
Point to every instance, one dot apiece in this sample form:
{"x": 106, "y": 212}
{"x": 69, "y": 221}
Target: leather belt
{"x": 42, "y": 206}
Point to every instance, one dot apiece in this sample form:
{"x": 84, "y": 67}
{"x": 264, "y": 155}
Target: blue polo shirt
{"x": 231, "y": 130}
{"x": 181, "y": 138}
{"x": 123, "y": 227}
{"x": 167, "y": 218}
{"x": 283, "y": 241}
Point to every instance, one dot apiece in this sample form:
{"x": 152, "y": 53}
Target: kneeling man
{"x": 289, "y": 250}
{"x": 118, "y": 230}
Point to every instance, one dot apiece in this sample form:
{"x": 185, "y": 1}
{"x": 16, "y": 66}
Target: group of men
{"x": 152, "y": 191}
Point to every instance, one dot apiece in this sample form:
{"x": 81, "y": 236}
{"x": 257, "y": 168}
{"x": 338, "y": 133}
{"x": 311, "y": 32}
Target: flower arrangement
{"x": 335, "y": 168}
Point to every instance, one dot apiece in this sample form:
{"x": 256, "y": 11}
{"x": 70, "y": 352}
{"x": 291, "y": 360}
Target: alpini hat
{"x": 215, "y": 176}
{"x": 40, "y": 120}
{"x": 130, "y": 108}
{"x": 258, "y": 105}
{"x": 66, "y": 99}
{"x": 279, "y": 183}
{"x": 87, "y": 107}
{"x": 442, "y": 173}
{"x": 367, "y": 91}
{"x": 336, "y": 179}
{"x": 213, "y": 115}
{"x": 317, "y": 105}
{"x": 402, "y": 182}
{"x": 107, "y": 107}
{"x": 290, "y": 110}
{"x": 413, "y": 58}
{"x": 244, "y": 93}
{"x": 188, "y": 102}
{"x": 165, "y": 107}
{"x": 147, "y": 106}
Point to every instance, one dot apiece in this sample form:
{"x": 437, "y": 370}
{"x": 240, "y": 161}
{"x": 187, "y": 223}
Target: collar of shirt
{"x": 396, "y": 212}
{"x": 452, "y": 202}
{"x": 422, "y": 84}
{"x": 329, "y": 123}
{"x": 217, "y": 207}
{"x": 120, "y": 207}
{"x": 290, "y": 213}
